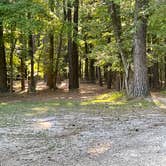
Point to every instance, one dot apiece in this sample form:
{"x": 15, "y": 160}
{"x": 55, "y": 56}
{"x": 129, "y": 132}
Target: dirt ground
{"x": 85, "y": 91}
{"x": 80, "y": 136}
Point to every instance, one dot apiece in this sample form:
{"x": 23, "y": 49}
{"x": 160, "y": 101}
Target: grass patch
{"x": 116, "y": 100}
{"x": 163, "y": 92}
{"x": 15, "y": 113}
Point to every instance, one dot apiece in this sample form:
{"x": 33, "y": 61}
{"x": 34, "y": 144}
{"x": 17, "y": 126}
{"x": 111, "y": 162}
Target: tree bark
{"x": 100, "y": 76}
{"x": 69, "y": 19}
{"x": 22, "y": 73}
{"x": 3, "y": 68}
{"x": 13, "y": 44}
{"x": 32, "y": 84}
{"x": 109, "y": 78}
{"x": 86, "y": 61}
{"x": 74, "y": 59}
{"x": 51, "y": 62}
{"x": 141, "y": 88}
{"x": 165, "y": 71}
{"x": 86, "y": 69}
{"x": 58, "y": 57}
{"x": 92, "y": 71}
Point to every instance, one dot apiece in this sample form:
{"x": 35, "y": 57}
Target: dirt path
{"x": 44, "y": 94}
{"x": 80, "y": 139}
{"x": 65, "y": 135}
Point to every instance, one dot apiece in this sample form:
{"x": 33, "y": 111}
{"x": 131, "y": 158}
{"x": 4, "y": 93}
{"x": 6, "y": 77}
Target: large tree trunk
{"x": 140, "y": 88}
{"x": 32, "y": 83}
{"x": 3, "y": 69}
{"x": 74, "y": 59}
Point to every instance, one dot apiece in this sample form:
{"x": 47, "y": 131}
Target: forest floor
{"x": 89, "y": 127}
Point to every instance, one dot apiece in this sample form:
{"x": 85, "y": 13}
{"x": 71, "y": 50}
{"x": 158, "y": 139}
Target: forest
{"x": 120, "y": 44}
{"x": 80, "y": 80}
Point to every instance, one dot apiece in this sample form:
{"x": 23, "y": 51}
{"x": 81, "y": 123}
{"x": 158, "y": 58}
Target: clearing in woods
{"x": 92, "y": 127}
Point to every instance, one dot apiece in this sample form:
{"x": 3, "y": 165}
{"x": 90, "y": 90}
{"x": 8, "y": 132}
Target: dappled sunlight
{"x": 158, "y": 103}
{"x": 55, "y": 104}
{"x": 115, "y": 98}
{"x": 69, "y": 104}
{"x": 99, "y": 149}
{"x": 42, "y": 125}
{"x": 38, "y": 111}
{"x": 3, "y": 104}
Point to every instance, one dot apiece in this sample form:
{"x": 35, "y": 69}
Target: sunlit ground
{"x": 106, "y": 128}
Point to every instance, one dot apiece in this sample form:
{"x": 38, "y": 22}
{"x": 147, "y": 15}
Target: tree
{"x": 51, "y": 52}
{"x": 3, "y": 69}
{"x": 32, "y": 83}
{"x": 140, "y": 88}
{"x": 117, "y": 27}
{"x": 72, "y": 46}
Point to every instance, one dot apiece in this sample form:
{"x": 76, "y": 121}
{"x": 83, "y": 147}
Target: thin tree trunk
{"x": 38, "y": 66}
{"x": 86, "y": 62}
{"x": 109, "y": 78}
{"x": 117, "y": 81}
{"x": 32, "y": 84}
{"x": 60, "y": 45}
{"x": 50, "y": 76}
{"x": 156, "y": 83}
{"x": 69, "y": 19}
{"x": 165, "y": 71}
{"x": 58, "y": 57}
{"x": 86, "y": 69}
{"x": 75, "y": 45}
{"x": 3, "y": 68}
{"x": 22, "y": 73}
{"x": 100, "y": 77}
{"x": 92, "y": 71}
{"x": 51, "y": 61}
{"x": 141, "y": 88}
{"x": 80, "y": 69}
{"x": 13, "y": 42}
{"x": 116, "y": 21}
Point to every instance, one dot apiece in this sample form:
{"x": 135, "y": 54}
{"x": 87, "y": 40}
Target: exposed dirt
{"x": 80, "y": 139}
{"x": 84, "y": 138}
{"x": 43, "y": 93}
